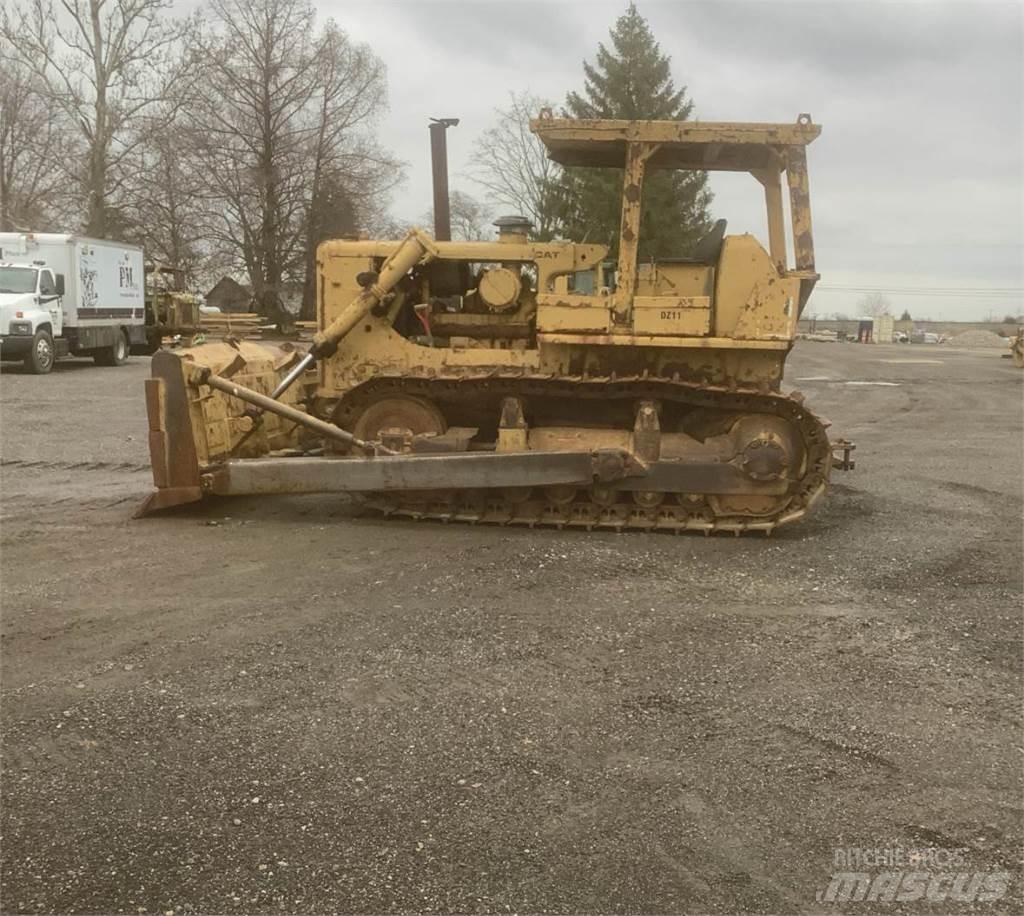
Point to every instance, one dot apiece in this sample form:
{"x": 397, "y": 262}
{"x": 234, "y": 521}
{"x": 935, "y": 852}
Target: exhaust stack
{"x": 439, "y": 164}
{"x": 513, "y": 230}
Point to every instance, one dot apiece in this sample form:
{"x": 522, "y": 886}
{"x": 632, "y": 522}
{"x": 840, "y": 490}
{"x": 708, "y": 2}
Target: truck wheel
{"x": 114, "y": 355}
{"x": 39, "y": 359}
{"x": 153, "y": 343}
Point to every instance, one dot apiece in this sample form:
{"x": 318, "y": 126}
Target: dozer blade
{"x": 172, "y": 450}
{"x": 201, "y": 411}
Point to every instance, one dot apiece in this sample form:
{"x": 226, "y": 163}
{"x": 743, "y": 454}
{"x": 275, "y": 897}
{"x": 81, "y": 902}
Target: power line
{"x": 975, "y": 292}
{"x": 896, "y": 289}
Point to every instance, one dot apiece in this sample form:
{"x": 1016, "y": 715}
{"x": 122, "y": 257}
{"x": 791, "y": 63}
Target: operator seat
{"x": 707, "y": 250}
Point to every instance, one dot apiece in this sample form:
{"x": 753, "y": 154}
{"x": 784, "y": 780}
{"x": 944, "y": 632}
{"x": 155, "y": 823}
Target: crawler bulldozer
{"x": 524, "y": 382}
{"x": 1017, "y": 349}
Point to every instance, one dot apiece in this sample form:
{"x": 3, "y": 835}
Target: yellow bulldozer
{"x": 525, "y": 382}
{"x": 1017, "y": 349}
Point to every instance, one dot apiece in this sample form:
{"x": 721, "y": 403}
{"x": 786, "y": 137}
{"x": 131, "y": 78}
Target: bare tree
{"x": 349, "y": 173}
{"x": 283, "y": 129}
{"x": 874, "y": 304}
{"x": 104, "y": 64}
{"x": 33, "y": 145}
{"x": 511, "y": 164}
{"x": 471, "y": 219}
{"x": 385, "y": 225}
{"x": 260, "y": 75}
{"x": 171, "y": 199}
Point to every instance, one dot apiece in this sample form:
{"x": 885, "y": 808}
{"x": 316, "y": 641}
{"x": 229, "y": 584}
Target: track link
{"x": 677, "y": 513}
{"x": 463, "y": 506}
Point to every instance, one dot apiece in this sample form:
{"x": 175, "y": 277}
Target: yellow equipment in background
{"x": 529, "y": 383}
{"x": 170, "y": 308}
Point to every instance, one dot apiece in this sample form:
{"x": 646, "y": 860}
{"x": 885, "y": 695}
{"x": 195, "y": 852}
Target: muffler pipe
{"x": 439, "y": 166}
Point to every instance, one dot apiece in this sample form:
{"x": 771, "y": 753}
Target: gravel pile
{"x": 978, "y": 339}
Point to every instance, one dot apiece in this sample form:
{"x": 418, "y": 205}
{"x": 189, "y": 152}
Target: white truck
{"x": 64, "y": 295}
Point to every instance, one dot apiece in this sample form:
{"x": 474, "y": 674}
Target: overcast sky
{"x": 916, "y": 180}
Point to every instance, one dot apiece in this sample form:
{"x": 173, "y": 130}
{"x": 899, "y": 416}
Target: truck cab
{"x": 31, "y": 313}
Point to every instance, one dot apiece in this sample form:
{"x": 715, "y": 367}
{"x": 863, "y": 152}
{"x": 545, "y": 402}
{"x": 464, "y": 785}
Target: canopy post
{"x": 800, "y": 207}
{"x": 771, "y": 179}
{"x": 637, "y": 155}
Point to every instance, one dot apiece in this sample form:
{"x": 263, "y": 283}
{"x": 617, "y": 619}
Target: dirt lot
{"x": 283, "y": 705}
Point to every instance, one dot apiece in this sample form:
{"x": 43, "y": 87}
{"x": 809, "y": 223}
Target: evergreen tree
{"x": 332, "y": 215}
{"x": 632, "y": 80}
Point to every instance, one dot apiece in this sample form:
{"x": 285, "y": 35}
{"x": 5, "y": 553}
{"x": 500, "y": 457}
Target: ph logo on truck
{"x": 126, "y": 274}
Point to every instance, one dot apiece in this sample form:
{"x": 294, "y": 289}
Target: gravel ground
{"x": 284, "y": 705}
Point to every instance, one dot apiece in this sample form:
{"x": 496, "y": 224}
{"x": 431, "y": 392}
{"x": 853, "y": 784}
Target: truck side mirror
{"x": 60, "y": 284}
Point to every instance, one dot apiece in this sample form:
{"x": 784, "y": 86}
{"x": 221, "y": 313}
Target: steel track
{"x": 678, "y": 512}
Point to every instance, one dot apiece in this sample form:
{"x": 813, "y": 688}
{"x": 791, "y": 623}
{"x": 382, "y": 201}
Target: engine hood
{"x": 11, "y": 302}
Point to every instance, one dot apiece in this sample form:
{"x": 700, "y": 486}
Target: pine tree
{"x": 632, "y": 80}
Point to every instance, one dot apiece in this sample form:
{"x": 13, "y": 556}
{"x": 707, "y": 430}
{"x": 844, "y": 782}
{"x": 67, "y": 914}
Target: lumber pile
{"x": 237, "y": 324}
{"x": 241, "y": 325}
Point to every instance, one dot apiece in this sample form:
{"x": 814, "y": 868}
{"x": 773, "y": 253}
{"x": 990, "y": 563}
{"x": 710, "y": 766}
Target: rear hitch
{"x": 842, "y": 455}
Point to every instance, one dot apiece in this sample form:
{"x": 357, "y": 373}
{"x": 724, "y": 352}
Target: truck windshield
{"x": 17, "y": 280}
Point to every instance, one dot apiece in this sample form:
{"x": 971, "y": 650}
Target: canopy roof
{"x": 714, "y": 146}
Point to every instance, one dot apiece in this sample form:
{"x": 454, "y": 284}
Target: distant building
{"x": 230, "y": 296}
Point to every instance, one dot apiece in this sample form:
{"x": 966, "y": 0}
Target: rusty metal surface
{"x": 172, "y": 444}
{"x": 710, "y": 146}
{"x": 652, "y": 340}
{"x": 800, "y": 207}
{"x": 703, "y": 477}
{"x": 199, "y": 377}
{"x": 637, "y": 155}
{"x": 168, "y": 498}
{"x": 439, "y": 170}
{"x": 480, "y": 470}
{"x": 842, "y": 455}
{"x": 594, "y": 508}
{"x": 402, "y": 472}
{"x": 416, "y": 416}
